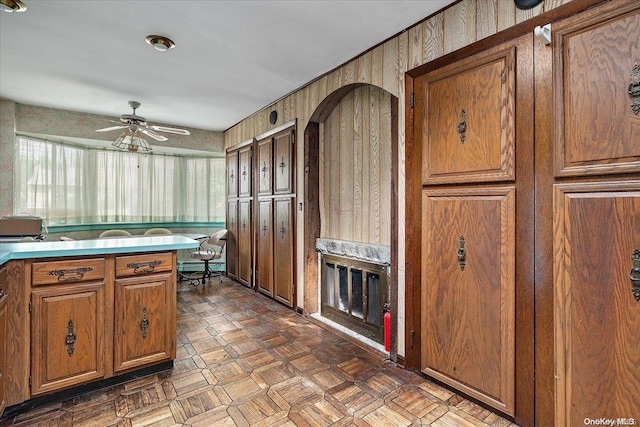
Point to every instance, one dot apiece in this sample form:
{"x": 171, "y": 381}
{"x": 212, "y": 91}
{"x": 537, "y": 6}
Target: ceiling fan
{"x": 135, "y": 127}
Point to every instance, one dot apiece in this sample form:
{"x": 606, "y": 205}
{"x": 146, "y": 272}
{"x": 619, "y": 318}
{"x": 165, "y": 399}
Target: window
{"x": 67, "y": 184}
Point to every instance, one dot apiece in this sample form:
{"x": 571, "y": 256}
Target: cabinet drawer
{"x": 136, "y": 265}
{"x": 47, "y": 273}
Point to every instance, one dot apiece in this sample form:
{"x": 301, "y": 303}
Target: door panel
{"x": 597, "y": 315}
{"x": 468, "y": 291}
{"x": 264, "y": 255}
{"x": 264, "y": 167}
{"x": 283, "y": 159}
{"x": 594, "y": 59}
{"x": 68, "y": 336}
{"x": 231, "y": 246}
{"x": 284, "y": 250}
{"x": 244, "y": 242}
{"x": 244, "y": 171}
{"x": 232, "y": 174}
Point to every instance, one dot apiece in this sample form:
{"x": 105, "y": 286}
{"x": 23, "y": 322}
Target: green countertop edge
{"x": 26, "y": 250}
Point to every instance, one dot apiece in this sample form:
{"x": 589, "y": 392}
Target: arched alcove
{"x": 350, "y": 183}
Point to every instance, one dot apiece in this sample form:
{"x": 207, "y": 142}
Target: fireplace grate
{"x": 353, "y": 294}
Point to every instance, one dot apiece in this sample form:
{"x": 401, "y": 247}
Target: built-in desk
{"x": 84, "y": 311}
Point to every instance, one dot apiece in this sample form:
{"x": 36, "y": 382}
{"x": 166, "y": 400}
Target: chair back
{"x": 157, "y": 232}
{"x": 219, "y": 238}
{"x": 114, "y": 233}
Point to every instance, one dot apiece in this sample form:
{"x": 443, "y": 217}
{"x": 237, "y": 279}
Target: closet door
{"x": 244, "y": 171}
{"x": 231, "y": 248}
{"x": 596, "y": 242}
{"x": 283, "y": 159}
{"x": 264, "y": 255}
{"x": 232, "y": 174}
{"x": 284, "y": 250}
{"x": 244, "y": 242}
{"x": 264, "y": 168}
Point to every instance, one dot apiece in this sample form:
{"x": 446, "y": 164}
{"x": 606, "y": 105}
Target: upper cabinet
{"x": 232, "y": 174}
{"x": 283, "y": 162}
{"x": 244, "y": 170}
{"x": 596, "y": 87}
{"x": 468, "y": 122}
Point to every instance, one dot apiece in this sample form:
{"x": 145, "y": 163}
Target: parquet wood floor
{"x": 245, "y": 360}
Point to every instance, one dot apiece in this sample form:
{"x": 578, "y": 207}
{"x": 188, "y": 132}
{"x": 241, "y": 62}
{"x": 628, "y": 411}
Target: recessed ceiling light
{"x": 13, "y": 6}
{"x": 160, "y": 43}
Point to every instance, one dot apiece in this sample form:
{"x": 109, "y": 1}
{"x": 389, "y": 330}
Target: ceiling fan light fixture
{"x": 160, "y": 43}
{"x": 13, "y": 6}
{"x": 131, "y": 140}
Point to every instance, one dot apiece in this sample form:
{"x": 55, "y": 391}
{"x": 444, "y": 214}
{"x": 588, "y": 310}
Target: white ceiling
{"x": 232, "y": 57}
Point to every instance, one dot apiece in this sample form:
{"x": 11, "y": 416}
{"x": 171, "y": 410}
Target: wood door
{"x": 145, "y": 328}
{"x": 284, "y": 251}
{"x": 245, "y": 248}
{"x": 468, "y": 292}
{"x": 596, "y": 61}
{"x": 3, "y": 358}
{"x": 68, "y": 336}
{"x": 283, "y": 163}
{"x": 264, "y": 253}
{"x": 244, "y": 170}
{"x": 231, "y": 247}
{"x": 265, "y": 181}
{"x": 232, "y": 174}
{"x": 597, "y": 315}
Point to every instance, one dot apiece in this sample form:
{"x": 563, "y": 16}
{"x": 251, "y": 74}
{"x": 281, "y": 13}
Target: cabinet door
{"x": 3, "y": 359}
{"x": 596, "y": 64}
{"x": 232, "y": 174}
{"x": 68, "y": 337}
{"x": 469, "y": 119}
{"x": 597, "y": 314}
{"x": 283, "y": 163}
{"x": 145, "y": 322}
{"x": 283, "y": 250}
{"x": 264, "y": 167}
{"x": 244, "y": 169}
{"x": 264, "y": 253}
{"x": 245, "y": 249}
{"x": 231, "y": 247}
{"x": 468, "y": 292}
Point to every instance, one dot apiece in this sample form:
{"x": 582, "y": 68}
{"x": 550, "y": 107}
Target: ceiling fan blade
{"x": 110, "y": 128}
{"x": 152, "y": 134}
{"x": 171, "y": 130}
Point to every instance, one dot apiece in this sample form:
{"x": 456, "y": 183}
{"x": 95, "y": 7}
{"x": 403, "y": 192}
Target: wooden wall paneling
{"x": 312, "y": 213}
{"x": 432, "y": 43}
{"x": 365, "y": 183}
{"x": 386, "y": 169}
{"x": 345, "y": 183}
{"x": 363, "y": 68}
{"x": 415, "y": 46}
{"x": 487, "y": 18}
{"x": 506, "y": 13}
{"x": 377, "y": 55}
{"x": 390, "y": 69}
{"x": 459, "y": 25}
{"x": 358, "y": 171}
{"x": 374, "y": 169}
{"x": 17, "y": 346}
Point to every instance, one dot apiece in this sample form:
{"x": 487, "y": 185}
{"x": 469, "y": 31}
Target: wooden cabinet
{"x": 145, "y": 327}
{"x": 284, "y": 251}
{"x": 264, "y": 246}
{"x": 239, "y": 247}
{"x": 3, "y": 338}
{"x": 68, "y": 336}
{"x": 474, "y": 204}
{"x": 264, "y": 167}
{"x": 595, "y": 134}
{"x": 283, "y": 163}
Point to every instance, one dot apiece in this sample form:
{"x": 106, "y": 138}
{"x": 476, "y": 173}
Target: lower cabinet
{"x": 3, "y": 340}
{"x": 68, "y": 340}
{"x": 145, "y": 331}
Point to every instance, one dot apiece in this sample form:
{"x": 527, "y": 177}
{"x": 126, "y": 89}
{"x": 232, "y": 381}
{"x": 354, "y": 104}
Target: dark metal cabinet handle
{"x": 462, "y": 126}
{"x": 144, "y": 323}
{"x": 71, "y": 274}
{"x": 264, "y": 228}
{"x": 282, "y": 165}
{"x": 70, "y": 339}
{"x": 144, "y": 267}
{"x": 462, "y": 254}
{"x": 634, "y": 89}
{"x": 634, "y": 274}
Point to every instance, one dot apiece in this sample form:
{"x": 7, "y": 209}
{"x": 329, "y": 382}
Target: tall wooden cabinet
{"x": 261, "y": 212}
{"x": 275, "y": 233}
{"x": 471, "y": 208}
{"x": 529, "y": 256}
{"x": 595, "y": 134}
{"x": 3, "y": 337}
{"x": 239, "y": 247}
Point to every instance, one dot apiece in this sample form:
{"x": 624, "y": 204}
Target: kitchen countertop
{"x": 24, "y": 250}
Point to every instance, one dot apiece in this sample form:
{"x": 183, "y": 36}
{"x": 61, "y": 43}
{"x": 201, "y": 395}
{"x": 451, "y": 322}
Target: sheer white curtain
{"x": 67, "y": 184}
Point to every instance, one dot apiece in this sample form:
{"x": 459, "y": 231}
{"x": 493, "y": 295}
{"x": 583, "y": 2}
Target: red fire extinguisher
{"x": 387, "y": 327}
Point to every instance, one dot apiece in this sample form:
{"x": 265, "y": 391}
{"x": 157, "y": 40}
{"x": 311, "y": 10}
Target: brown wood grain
{"x": 57, "y": 272}
{"x": 264, "y": 246}
{"x": 132, "y": 265}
